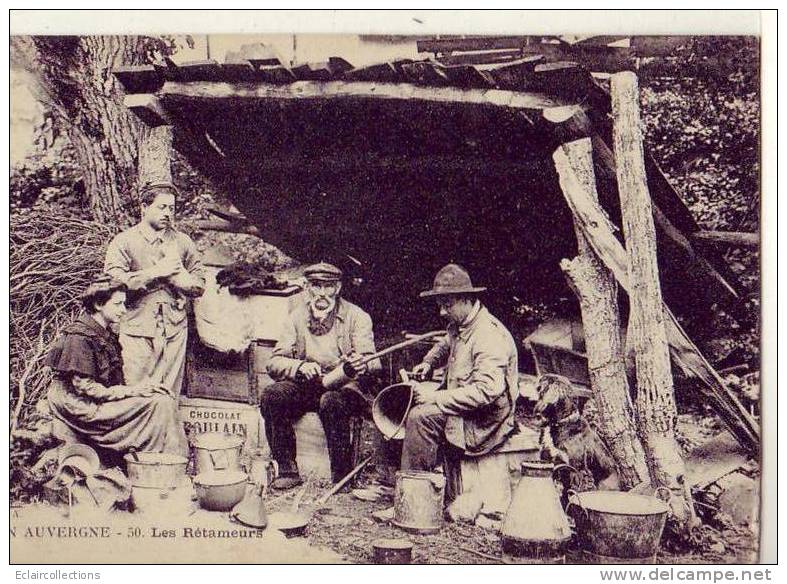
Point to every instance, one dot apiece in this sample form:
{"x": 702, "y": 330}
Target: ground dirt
{"x": 344, "y": 530}
{"x": 346, "y": 526}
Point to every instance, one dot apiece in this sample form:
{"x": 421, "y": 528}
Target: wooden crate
{"x": 215, "y": 375}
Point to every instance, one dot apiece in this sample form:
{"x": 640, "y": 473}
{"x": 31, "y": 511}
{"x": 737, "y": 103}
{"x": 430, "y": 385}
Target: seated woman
{"x": 87, "y": 392}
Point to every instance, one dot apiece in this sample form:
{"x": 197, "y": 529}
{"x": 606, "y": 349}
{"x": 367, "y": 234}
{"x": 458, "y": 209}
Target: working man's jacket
{"x": 353, "y": 333}
{"x": 481, "y": 382}
{"x": 156, "y": 305}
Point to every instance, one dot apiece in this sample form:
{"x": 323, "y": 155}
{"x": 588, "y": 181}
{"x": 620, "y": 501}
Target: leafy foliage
{"x": 702, "y": 124}
{"x": 707, "y": 141}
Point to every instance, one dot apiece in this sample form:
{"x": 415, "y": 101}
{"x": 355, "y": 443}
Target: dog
{"x": 566, "y": 438}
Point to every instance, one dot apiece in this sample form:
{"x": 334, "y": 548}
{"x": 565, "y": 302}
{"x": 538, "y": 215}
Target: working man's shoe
{"x": 285, "y": 482}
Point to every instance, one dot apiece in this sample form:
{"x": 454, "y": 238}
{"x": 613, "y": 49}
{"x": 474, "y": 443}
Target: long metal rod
{"x": 402, "y": 345}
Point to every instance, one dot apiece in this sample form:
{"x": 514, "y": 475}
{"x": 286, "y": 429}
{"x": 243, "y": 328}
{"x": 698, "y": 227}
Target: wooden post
{"x": 656, "y": 409}
{"x": 597, "y": 291}
{"x": 155, "y": 155}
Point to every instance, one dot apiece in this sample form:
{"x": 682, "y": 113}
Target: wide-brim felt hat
{"x": 452, "y": 279}
{"x": 323, "y": 272}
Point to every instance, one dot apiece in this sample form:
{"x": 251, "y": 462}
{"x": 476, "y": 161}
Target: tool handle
{"x": 321, "y": 501}
{"x": 402, "y": 345}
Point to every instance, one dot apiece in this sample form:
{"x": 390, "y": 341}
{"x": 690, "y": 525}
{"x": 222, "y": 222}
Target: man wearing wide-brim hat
{"x": 473, "y": 408}
{"x": 319, "y": 335}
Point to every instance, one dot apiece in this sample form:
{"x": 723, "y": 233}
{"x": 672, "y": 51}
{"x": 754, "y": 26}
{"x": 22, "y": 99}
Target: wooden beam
{"x": 148, "y": 108}
{"x": 352, "y": 161}
{"x": 470, "y": 44}
{"x": 311, "y": 90}
{"x": 657, "y": 411}
{"x": 731, "y": 238}
{"x": 482, "y": 58}
{"x": 597, "y": 291}
{"x": 138, "y": 78}
{"x": 600, "y": 233}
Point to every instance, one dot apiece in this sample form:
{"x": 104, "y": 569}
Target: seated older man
{"x": 319, "y": 335}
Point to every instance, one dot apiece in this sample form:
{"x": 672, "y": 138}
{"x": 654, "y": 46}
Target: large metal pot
{"x": 220, "y": 490}
{"x": 175, "y": 501}
{"x": 217, "y": 451}
{"x": 618, "y": 527}
{"x": 158, "y": 470}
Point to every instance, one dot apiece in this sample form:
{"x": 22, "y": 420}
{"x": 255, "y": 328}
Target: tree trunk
{"x": 74, "y": 79}
{"x": 596, "y": 288}
{"x": 155, "y": 156}
{"x": 656, "y": 409}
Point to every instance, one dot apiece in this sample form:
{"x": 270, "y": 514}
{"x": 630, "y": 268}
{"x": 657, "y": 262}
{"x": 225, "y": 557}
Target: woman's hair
{"x": 99, "y": 291}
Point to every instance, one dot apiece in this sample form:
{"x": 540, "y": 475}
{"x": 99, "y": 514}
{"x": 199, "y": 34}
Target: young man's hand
{"x": 422, "y": 371}
{"x": 423, "y": 395}
{"x": 168, "y": 266}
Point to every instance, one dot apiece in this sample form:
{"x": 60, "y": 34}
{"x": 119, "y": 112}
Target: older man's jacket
{"x": 481, "y": 382}
{"x": 354, "y": 334}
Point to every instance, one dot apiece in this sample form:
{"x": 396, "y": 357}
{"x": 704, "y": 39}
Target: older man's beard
{"x": 321, "y": 320}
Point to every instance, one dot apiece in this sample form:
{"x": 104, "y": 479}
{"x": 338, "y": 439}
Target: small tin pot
{"x": 392, "y": 551}
{"x": 220, "y": 490}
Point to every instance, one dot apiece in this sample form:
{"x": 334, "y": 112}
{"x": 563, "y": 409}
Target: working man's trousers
{"x": 284, "y": 402}
{"x": 158, "y": 360}
{"x": 424, "y": 440}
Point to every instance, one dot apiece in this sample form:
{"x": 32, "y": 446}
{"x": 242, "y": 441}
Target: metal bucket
{"x": 418, "y": 501}
{"x": 172, "y": 501}
{"x": 217, "y": 451}
{"x": 158, "y": 470}
{"x": 220, "y": 490}
{"x": 618, "y": 527}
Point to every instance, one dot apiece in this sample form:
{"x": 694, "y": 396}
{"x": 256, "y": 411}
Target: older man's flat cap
{"x": 323, "y": 272}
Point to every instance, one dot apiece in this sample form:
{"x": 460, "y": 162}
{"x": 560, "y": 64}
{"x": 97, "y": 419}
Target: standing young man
{"x": 161, "y": 268}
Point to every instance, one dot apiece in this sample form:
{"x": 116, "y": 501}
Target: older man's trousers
{"x": 284, "y": 402}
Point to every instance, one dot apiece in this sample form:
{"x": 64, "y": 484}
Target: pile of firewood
{"x": 52, "y": 259}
